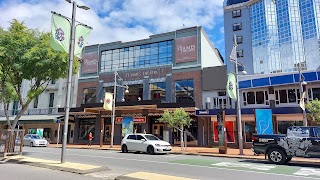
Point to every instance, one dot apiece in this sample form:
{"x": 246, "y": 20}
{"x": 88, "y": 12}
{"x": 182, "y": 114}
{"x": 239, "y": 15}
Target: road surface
{"x": 195, "y": 167}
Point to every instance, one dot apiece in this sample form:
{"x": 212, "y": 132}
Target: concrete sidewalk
{"x": 202, "y": 151}
{"x": 55, "y": 165}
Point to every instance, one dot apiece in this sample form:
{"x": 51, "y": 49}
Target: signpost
{"x": 58, "y": 131}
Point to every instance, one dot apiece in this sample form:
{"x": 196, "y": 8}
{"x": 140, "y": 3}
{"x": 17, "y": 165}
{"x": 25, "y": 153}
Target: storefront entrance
{"x": 157, "y": 130}
{"x": 107, "y": 130}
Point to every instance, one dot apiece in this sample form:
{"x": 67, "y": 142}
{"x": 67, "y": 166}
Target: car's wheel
{"x": 277, "y": 156}
{"x": 150, "y": 150}
{"x": 31, "y": 144}
{"x": 124, "y": 148}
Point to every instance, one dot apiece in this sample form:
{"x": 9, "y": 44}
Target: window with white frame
{"x": 255, "y": 97}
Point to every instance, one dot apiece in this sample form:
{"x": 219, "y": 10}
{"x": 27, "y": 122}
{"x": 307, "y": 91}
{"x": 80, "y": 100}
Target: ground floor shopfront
{"x": 48, "y": 125}
{"x": 282, "y": 118}
{"x": 92, "y": 118}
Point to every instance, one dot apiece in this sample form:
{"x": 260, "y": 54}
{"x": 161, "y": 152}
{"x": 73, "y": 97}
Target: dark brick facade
{"x": 196, "y": 76}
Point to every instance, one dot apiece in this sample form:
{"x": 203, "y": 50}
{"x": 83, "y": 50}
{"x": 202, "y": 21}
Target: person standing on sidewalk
{"x": 90, "y": 137}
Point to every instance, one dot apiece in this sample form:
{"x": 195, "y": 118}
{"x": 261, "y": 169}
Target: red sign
{"x": 90, "y": 63}
{"x": 186, "y": 49}
{"x": 135, "y": 120}
{"x": 229, "y": 129}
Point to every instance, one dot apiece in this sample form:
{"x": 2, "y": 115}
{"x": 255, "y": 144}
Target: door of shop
{"x": 157, "y": 130}
{"x": 107, "y": 131}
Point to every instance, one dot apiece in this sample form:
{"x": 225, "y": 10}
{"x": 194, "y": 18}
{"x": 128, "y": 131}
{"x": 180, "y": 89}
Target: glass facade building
{"x": 284, "y": 35}
{"x": 148, "y": 55}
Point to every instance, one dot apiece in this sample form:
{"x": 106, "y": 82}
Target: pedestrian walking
{"x": 90, "y": 137}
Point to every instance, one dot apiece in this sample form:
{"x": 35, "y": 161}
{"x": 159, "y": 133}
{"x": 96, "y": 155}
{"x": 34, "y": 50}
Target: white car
{"x": 145, "y": 143}
{"x": 34, "y": 140}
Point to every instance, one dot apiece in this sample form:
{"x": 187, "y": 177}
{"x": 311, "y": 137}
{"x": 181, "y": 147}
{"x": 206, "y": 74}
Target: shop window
{"x": 250, "y": 98}
{"x": 316, "y": 93}
{"x": 138, "y": 128}
{"x": 283, "y": 96}
{"x": 47, "y": 133}
{"x": 283, "y": 125}
{"x": 85, "y": 127}
{"x": 71, "y": 134}
{"x": 89, "y": 95}
{"x": 237, "y": 27}
{"x": 135, "y": 93}
{"x": 250, "y": 129}
{"x": 292, "y": 96}
{"x": 32, "y": 131}
{"x": 184, "y": 90}
{"x": 55, "y": 133}
{"x": 260, "y": 97}
{"x": 158, "y": 90}
{"x": 236, "y": 13}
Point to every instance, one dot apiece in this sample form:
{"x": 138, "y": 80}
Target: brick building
{"x": 162, "y": 72}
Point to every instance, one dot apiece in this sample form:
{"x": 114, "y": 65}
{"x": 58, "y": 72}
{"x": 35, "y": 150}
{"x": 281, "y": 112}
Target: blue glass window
{"x": 147, "y": 55}
{"x": 184, "y": 90}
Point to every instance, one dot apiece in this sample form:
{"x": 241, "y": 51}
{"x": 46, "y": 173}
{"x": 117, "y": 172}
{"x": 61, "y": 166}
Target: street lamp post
{"x": 234, "y": 59}
{"x": 68, "y": 98}
{"x": 114, "y": 105}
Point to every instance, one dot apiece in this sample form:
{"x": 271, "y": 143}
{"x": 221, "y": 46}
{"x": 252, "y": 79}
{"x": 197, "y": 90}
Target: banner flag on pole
{"x": 233, "y": 55}
{"x": 60, "y": 33}
{"x": 232, "y": 86}
{"x": 107, "y": 105}
{"x": 82, "y": 35}
{"x": 302, "y": 101}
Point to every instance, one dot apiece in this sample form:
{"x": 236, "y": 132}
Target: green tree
{"x": 314, "y": 110}
{"x": 25, "y": 54}
{"x": 177, "y": 120}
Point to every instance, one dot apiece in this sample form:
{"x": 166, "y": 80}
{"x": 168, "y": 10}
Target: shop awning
{"x": 33, "y": 118}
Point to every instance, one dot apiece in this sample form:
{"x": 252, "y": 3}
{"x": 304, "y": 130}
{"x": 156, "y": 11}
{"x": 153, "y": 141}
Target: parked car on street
{"x": 34, "y": 140}
{"x": 299, "y": 141}
{"x": 145, "y": 143}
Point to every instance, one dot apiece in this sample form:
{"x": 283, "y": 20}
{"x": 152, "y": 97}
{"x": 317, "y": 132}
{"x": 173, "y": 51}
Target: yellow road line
{"x": 77, "y": 166}
{"x": 146, "y": 175}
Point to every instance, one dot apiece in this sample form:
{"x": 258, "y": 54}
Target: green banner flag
{"x": 60, "y": 33}
{"x": 82, "y": 34}
{"x": 231, "y": 86}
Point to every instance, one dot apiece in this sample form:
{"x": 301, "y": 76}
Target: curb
{"x": 71, "y": 170}
{"x": 126, "y": 178}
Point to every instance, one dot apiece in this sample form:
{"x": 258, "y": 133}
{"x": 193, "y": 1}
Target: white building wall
{"x": 59, "y": 90}
{"x": 209, "y": 55}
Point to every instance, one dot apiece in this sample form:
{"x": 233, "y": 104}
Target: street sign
{"x": 58, "y": 121}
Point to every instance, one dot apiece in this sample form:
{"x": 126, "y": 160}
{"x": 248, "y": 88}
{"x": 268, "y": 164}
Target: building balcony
{"x": 31, "y": 112}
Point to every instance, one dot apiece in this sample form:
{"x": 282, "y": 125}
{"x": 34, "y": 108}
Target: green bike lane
{"x": 291, "y": 169}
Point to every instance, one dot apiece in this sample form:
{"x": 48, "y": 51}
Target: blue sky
{"x": 123, "y": 20}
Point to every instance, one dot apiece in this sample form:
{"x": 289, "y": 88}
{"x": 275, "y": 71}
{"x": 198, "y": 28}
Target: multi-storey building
{"x": 273, "y": 35}
{"x": 162, "y": 72}
{"x": 42, "y": 113}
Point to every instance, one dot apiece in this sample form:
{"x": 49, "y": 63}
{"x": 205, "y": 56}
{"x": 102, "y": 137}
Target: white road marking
{"x": 307, "y": 172}
{"x": 244, "y": 165}
{"x": 178, "y": 164}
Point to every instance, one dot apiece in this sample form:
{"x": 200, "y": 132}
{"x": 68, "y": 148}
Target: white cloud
{"x": 116, "y": 20}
